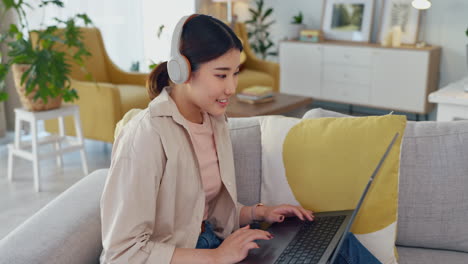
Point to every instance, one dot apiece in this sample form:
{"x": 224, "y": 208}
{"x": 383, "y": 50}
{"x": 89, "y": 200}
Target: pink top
{"x": 205, "y": 149}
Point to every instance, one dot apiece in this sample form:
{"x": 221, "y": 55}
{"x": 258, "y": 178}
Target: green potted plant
{"x": 296, "y": 26}
{"x": 40, "y": 59}
{"x": 258, "y": 30}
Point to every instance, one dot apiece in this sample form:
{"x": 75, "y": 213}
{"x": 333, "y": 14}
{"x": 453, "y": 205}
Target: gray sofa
{"x": 433, "y": 204}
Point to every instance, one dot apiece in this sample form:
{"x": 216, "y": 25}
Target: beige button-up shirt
{"x": 153, "y": 199}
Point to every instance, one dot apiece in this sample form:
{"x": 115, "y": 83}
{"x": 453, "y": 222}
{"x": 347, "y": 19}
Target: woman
{"x": 170, "y": 196}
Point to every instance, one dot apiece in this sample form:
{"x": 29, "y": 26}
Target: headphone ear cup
{"x": 174, "y": 71}
{"x": 185, "y": 69}
{"x": 178, "y": 69}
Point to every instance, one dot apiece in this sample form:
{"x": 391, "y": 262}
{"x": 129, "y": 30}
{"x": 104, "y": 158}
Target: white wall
{"x": 156, "y": 13}
{"x": 119, "y": 21}
{"x": 445, "y": 26}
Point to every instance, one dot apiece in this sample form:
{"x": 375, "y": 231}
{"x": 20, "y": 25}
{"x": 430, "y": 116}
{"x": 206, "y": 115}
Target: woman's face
{"x": 215, "y": 82}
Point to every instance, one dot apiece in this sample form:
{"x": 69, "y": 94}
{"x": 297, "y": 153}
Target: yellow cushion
{"x": 249, "y": 78}
{"x": 133, "y": 96}
{"x": 126, "y": 118}
{"x": 324, "y": 165}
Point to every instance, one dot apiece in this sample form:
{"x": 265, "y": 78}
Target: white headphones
{"x": 178, "y": 65}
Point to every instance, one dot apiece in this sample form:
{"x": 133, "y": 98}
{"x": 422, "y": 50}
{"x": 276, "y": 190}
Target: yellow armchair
{"x": 103, "y": 102}
{"x": 254, "y": 70}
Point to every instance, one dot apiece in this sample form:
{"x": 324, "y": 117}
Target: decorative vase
{"x": 295, "y": 31}
{"x": 28, "y": 100}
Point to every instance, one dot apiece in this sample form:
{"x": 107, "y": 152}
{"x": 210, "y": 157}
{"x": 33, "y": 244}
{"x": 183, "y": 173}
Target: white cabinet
{"x": 302, "y": 61}
{"x": 352, "y": 56}
{"x": 361, "y": 74}
{"x": 399, "y": 79}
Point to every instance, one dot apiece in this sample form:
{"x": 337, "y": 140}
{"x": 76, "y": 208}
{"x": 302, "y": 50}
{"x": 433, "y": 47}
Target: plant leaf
{"x": 57, "y": 3}
{"x": 3, "y": 96}
{"x": 267, "y": 13}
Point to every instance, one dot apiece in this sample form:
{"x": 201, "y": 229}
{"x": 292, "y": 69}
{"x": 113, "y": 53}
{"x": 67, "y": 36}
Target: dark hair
{"x": 204, "y": 38}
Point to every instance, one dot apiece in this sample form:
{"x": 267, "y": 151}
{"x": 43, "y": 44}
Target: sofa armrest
{"x": 67, "y": 230}
{"x": 119, "y": 76}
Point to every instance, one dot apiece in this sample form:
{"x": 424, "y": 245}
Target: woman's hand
{"x": 272, "y": 214}
{"x": 237, "y": 245}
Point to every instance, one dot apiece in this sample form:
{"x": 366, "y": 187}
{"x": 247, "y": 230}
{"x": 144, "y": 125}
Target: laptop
{"x": 318, "y": 241}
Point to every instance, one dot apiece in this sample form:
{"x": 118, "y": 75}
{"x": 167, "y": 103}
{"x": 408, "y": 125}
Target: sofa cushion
{"x": 326, "y": 163}
{"x": 245, "y": 137}
{"x": 434, "y": 186}
{"x": 67, "y": 230}
{"x": 408, "y": 255}
{"x": 433, "y": 196}
{"x": 129, "y": 115}
{"x": 319, "y": 113}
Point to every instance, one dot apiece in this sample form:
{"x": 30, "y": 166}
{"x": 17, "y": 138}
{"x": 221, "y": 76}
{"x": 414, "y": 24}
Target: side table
{"x": 452, "y": 101}
{"x": 283, "y": 103}
{"x": 21, "y": 148}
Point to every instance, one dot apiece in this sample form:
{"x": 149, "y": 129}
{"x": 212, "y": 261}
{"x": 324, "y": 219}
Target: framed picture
{"x": 400, "y": 13}
{"x": 349, "y": 20}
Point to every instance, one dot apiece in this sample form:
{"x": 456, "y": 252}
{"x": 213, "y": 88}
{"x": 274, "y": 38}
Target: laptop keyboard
{"x": 311, "y": 241}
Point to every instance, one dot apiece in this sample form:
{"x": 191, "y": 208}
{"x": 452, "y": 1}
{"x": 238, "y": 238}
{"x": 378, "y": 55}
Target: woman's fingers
{"x": 252, "y": 235}
{"x": 297, "y": 212}
{"x": 255, "y": 236}
{"x": 251, "y": 245}
{"x": 243, "y": 232}
{"x": 308, "y": 214}
{"x": 300, "y": 212}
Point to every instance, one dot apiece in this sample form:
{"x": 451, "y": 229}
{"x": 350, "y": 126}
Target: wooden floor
{"x": 18, "y": 200}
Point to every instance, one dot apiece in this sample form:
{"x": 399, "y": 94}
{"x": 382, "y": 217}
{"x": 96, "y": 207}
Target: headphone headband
{"x": 178, "y": 66}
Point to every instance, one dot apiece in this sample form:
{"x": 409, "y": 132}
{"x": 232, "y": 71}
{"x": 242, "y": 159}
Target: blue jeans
{"x": 208, "y": 239}
{"x": 351, "y": 252}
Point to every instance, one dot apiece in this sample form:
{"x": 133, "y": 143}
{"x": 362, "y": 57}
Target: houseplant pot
{"x": 27, "y": 99}
{"x": 294, "y": 30}
{"x": 41, "y": 59}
